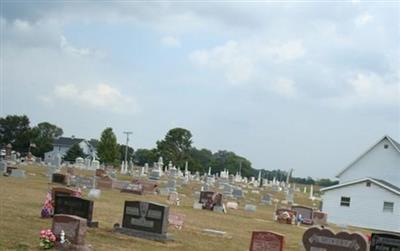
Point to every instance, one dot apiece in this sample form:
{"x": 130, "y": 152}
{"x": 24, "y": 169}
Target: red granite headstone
{"x": 267, "y": 241}
{"x": 74, "y": 228}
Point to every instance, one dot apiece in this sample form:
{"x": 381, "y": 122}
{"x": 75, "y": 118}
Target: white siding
{"x": 378, "y": 163}
{"x": 366, "y": 207}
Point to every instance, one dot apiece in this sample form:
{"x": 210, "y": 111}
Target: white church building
{"x": 368, "y": 193}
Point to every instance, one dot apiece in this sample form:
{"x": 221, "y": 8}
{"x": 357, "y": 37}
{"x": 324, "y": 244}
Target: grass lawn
{"x": 21, "y": 201}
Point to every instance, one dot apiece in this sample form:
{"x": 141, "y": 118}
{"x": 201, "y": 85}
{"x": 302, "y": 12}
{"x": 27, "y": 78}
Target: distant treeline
{"x": 175, "y": 147}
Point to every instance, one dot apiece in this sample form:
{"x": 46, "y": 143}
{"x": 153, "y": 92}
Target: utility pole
{"x": 126, "y": 147}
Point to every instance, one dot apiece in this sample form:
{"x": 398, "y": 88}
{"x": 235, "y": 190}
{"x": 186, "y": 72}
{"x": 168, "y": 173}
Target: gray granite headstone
{"x": 18, "y": 173}
{"x": 144, "y": 219}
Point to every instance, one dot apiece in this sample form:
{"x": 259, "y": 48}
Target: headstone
{"x": 232, "y": 205}
{"x": 316, "y": 238}
{"x": 284, "y": 215}
{"x": 173, "y": 198}
{"x": 118, "y": 184}
{"x": 267, "y": 241}
{"x": 75, "y": 206}
{"x": 290, "y": 195}
{"x": 149, "y": 187}
{"x": 58, "y": 178}
{"x": 385, "y": 242}
{"x": 176, "y": 220}
{"x": 250, "y": 208}
{"x": 63, "y": 191}
{"x": 18, "y": 173}
{"x": 210, "y": 199}
{"x": 104, "y": 182}
{"x": 266, "y": 199}
{"x": 237, "y": 193}
{"x": 306, "y": 214}
{"x": 3, "y": 166}
{"x": 144, "y": 219}
{"x": 74, "y": 228}
{"x": 320, "y": 218}
{"x": 133, "y": 188}
{"x": 101, "y": 173}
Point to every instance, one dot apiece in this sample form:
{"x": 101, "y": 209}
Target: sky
{"x": 308, "y": 85}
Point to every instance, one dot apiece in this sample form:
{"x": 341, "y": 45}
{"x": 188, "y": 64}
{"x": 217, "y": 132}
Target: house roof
{"x": 66, "y": 141}
{"x": 382, "y": 183}
{"x": 394, "y": 143}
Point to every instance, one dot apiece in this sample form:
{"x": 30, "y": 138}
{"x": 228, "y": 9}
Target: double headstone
{"x": 18, "y": 173}
{"x": 75, "y": 206}
{"x": 316, "y": 238}
{"x": 144, "y": 219}
{"x": 385, "y": 241}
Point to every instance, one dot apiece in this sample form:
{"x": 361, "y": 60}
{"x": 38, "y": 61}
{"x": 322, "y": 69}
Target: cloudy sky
{"x": 306, "y": 85}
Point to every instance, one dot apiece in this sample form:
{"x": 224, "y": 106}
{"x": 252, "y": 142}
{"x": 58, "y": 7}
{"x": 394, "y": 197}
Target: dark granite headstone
{"x": 267, "y": 241}
{"x": 62, "y": 191}
{"x": 58, "y": 178}
{"x": 74, "y": 228}
{"x": 316, "y": 238}
{"x": 145, "y": 219}
{"x": 75, "y": 206}
{"x": 385, "y": 242}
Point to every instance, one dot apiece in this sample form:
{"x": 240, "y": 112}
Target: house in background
{"x": 368, "y": 193}
{"x": 61, "y": 146}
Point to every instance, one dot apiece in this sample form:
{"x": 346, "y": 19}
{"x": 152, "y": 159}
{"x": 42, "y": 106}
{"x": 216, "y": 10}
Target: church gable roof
{"x": 394, "y": 143}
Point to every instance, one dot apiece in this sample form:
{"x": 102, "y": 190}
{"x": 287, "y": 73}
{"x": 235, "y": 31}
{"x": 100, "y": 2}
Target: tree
{"x": 200, "y": 160}
{"x": 43, "y": 136}
{"x": 175, "y": 146}
{"x": 107, "y": 149}
{"x": 143, "y": 156}
{"x": 74, "y": 152}
{"x": 15, "y": 129}
{"x": 129, "y": 155}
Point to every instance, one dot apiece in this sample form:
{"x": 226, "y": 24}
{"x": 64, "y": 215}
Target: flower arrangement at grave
{"x": 47, "y": 239}
{"x": 48, "y": 207}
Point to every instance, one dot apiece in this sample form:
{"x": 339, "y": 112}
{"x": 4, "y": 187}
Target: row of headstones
{"x": 316, "y": 239}
{"x": 150, "y": 220}
{"x": 300, "y": 215}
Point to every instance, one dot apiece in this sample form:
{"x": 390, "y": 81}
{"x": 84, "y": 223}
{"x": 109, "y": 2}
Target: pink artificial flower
{"x": 42, "y": 232}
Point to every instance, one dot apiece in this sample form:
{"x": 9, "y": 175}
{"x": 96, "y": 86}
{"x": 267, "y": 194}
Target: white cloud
{"x": 67, "y": 47}
{"x": 236, "y": 65}
{"x": 171, "y": 41}
{"x": 289, "y": 51}
{"x": 240, "y": 61}
{"x": 363, "y": 19}
{"x": 101, "y": 96}
{"x": 284, "y": 87}
{"x": 368, "y": 88}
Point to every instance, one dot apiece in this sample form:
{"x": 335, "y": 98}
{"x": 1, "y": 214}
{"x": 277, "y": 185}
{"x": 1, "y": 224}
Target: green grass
{"x": 21, "y": 201}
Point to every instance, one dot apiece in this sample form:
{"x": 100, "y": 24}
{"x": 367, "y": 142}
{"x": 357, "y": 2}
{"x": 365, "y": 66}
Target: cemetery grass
{"x": 22, "y": 200}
